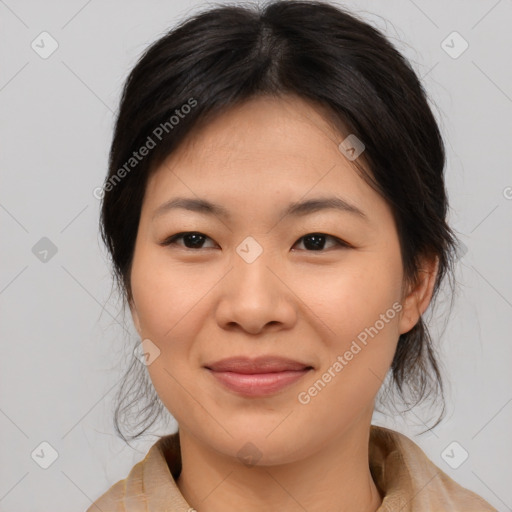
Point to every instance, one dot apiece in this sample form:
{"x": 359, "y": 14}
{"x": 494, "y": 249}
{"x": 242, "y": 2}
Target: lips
{"x": 264, "y": 364}
{"x": 262, "y": 376}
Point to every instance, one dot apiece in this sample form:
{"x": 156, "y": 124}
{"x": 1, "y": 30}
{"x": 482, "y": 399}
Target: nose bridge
{"x": 251, "y": 266}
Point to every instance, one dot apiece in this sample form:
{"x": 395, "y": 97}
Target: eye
{"x": 191, "y": 239}
{"x": 316, "y": 241}
{"x": 312, "y": 241}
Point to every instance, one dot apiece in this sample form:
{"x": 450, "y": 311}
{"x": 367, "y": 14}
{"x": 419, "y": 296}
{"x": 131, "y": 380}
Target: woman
{"x": 275, "y": 210}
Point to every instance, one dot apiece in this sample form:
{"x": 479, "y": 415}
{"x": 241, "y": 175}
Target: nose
{"x": 255, "y": 297}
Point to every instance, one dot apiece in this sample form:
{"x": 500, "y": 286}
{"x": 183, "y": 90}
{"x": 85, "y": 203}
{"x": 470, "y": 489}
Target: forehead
{"x": 265, "y": 125}
{"x": 266, "y": 149}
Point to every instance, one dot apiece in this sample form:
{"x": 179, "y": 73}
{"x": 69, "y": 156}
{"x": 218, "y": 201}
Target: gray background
{"x": 63, "y": 345}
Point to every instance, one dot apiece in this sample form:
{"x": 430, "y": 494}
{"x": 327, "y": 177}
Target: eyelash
{"x": 171, "y": 240}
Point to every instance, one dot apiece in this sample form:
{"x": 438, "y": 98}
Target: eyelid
{"x": 170, "y": 240}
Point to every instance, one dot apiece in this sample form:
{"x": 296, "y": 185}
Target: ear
{"x": 419, "y": 294}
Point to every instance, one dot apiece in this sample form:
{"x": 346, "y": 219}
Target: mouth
{"x": 263, "y": 376}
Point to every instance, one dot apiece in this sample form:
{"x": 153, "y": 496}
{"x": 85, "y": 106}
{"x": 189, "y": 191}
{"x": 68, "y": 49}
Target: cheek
{"x": 357, "y": 353}
{"x": 350, "y": 298}
{"x": 165, "y": 295}
{"x": 171, "y": 304}
{"x": 164, "y": 321}
{"x": 359, "y": 308}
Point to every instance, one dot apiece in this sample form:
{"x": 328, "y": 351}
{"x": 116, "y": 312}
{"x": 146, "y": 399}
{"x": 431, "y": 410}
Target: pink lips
{"x": 257, "y": 377}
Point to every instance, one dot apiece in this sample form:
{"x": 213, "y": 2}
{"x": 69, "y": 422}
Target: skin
{"x": 199, "y": 305}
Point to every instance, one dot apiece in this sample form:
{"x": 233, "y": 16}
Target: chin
{"x": 261, "y": 444}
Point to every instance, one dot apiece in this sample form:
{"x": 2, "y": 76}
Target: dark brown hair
{"x": 327, "y": 56}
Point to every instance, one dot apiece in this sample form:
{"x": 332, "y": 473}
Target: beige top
{"x": 405, "y": 477}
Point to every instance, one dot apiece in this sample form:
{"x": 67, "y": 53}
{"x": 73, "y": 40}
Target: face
{"x": 318, "y": 286}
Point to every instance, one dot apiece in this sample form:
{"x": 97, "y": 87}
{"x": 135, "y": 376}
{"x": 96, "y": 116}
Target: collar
{"x": 404, "y": 475}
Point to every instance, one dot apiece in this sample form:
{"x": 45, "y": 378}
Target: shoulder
{"x": 126, "y": 491}
{"x": 150, "y": 485}
{"x": 410, "y": 478}
{"x": 112, "y": 500}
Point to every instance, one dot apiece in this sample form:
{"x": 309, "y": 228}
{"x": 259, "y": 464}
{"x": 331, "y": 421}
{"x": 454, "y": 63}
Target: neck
{"x": 336, "y": 478}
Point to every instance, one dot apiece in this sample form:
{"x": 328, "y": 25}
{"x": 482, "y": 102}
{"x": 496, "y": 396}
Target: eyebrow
{"x": 297, "y": 209}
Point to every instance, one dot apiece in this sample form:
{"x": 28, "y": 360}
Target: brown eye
{"x": 316, "y": 241}
{"x": 191, "y": 239}
{"x": 312, "y": 241}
